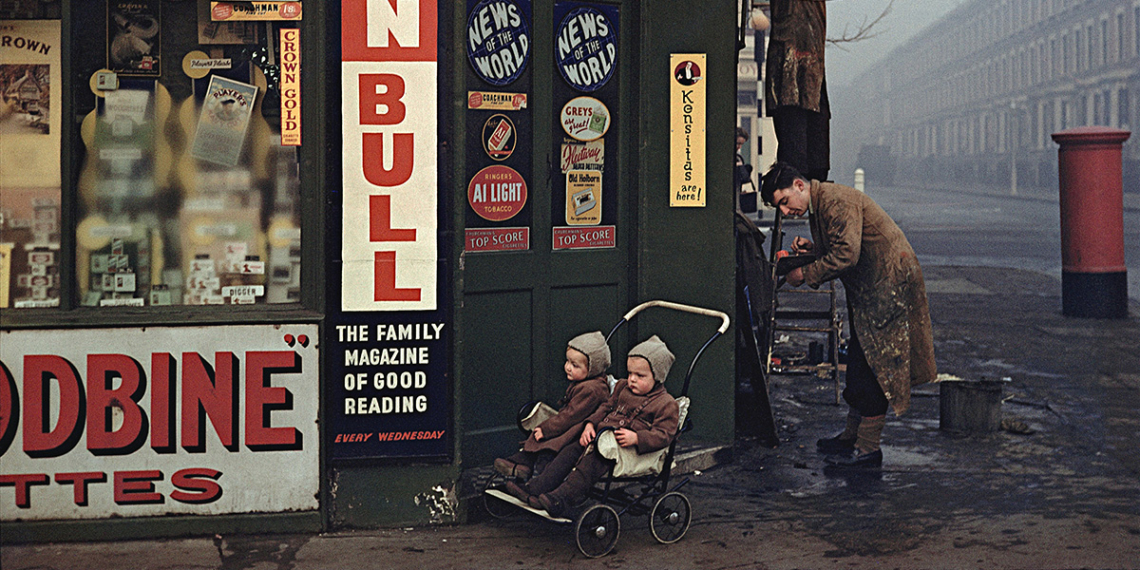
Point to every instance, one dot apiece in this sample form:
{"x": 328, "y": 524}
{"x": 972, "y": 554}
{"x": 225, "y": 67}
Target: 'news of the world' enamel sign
{"x": 498, "y": 40}
{"x": 585, "y": 49}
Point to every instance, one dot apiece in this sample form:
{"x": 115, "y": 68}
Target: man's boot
{"x": 866, "y": 452}
{"x": 843, "y": 442}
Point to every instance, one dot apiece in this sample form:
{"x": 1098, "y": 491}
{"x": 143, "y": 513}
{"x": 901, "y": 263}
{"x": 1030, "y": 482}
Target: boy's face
{"x": 640, "y": 375}
{"x": 577, "y": 365}
{"x": 793, "y": 201}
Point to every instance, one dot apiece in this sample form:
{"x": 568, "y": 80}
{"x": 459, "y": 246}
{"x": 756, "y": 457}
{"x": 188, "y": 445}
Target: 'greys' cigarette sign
{"x": 585, "y": 48}
{"x": 498, "y": 40}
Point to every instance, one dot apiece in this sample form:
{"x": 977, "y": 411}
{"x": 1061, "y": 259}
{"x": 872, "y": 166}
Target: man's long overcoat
{"x": 794, "y": 63}
{"x": 857, "y": 242}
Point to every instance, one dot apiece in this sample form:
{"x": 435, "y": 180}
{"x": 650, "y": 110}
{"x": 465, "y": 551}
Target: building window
{"x": 31, "y": 126}
{"x": 187, "y": 180}
{"x": 1136, "y": 29}
{"x": 1066, "y": 65}
{"x": 1104, "y": 42}
{"x": 1123, "y": 110}
{"x": 1079, "y": 50}
{"x": 1120, "y": 33}
{"x": 1089, "y": 47}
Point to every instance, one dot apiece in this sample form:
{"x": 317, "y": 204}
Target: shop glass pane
{"x": 30, "y": 132}
{"x": 186, "y": 194}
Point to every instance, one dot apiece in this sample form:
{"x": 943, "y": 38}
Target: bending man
{"x": 891, "y": 346}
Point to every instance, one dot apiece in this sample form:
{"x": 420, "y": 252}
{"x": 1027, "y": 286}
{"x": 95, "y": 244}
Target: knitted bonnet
{"x": 660, "y": 359}
{"x": 597, "y": 352}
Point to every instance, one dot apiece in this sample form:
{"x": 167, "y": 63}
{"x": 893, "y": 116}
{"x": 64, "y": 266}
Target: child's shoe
{"x": 551, "y": 504}
{"x": 518, "y": 491}
{"x": 508, "y": 468}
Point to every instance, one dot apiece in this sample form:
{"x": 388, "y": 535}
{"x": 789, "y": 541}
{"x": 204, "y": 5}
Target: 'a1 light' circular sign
{"x": 497, "y": 193}
{"x": 585, "y": 49}
{"x": 498, "y": 41}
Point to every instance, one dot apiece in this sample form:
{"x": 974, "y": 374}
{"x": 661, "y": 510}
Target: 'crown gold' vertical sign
{"x": 687, "y": 130}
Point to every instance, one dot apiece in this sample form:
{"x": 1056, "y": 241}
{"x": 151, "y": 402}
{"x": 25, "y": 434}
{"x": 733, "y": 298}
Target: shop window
{"x": 186, "y": 184}
{"x": 30, "y": 174}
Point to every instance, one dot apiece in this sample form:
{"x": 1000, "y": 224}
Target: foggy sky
{"x": 907, "y": 17}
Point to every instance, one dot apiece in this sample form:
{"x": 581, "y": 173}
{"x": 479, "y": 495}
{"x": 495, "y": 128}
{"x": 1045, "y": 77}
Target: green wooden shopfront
{"x": 294, "y": 266}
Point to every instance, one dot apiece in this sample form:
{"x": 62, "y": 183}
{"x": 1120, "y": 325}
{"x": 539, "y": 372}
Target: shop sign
{"x": 30, "y": 51}
{"x": 390, "y": 191}
{"x": 585, "y": 47}
{"x": 158, "y": 421}
{"x": 497, "y": 239}
{"x": 585, "y": 238}
{"x": 585, "y": 118}
{"x": 498, "y": 40}
{"x": 224, "y": 120}
{"x": 497, "y": 193}
{"x": 491, "y": 101}
{"x": 579, "y": 155}
{"x": 290, "y": 87}
{"x": 583, "y": 197}
{"x": 687, "y": 130}
{"x": 499, "y": 136}
{"x": 134, "y": 32}
{"x": 254, "y": 11}
{"x": 388, "y": 389}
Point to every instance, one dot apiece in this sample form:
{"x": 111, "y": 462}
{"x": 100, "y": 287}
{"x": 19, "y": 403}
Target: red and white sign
{"x": 497, "y": 193}
{"x": 388, "y": 75}
{"x": 497, "y": 239}
{"x": 585, "y": 238}
{"x": 158, "y": 421}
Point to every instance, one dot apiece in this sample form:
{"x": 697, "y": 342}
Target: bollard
{"x": 860, "y": 177}
{"x": 1094, "y": 279}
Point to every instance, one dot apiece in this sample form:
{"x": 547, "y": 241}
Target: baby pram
{"x": 637, "y": 484}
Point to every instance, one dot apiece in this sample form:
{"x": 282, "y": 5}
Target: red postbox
{"x": 1094, "y": 279}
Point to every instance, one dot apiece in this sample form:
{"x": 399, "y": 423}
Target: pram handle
{"x": 680, "y": 307}
{"x": 725, "y": 321}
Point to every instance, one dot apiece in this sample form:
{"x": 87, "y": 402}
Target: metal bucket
{"x": 970, "y": 406}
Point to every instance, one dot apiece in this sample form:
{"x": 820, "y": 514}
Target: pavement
{"x": 1064, "y": 496}
{"x": 1130, "y": 201}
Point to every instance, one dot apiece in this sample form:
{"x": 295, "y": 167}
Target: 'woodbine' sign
{"x": 158, "y": 421}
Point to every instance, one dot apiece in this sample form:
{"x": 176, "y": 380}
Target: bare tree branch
{"x": 865, "y": 30}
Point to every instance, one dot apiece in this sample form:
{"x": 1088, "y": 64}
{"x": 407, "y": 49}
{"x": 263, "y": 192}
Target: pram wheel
{"x": 597, "y": 530}
{"x": 670, "y": 517}
{"x": 495, "y": 507}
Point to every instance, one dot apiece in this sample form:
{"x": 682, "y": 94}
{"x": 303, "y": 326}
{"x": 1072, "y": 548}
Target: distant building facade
{"x": 976, "y": 96}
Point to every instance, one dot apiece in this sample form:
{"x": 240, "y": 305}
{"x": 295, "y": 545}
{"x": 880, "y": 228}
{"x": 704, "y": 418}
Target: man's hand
{"x": 795, "y": 277}
{"x": 538, "y": 434}
{"x": 625, "y": 437}
{"x": 802, "y": 245}
{"x": 587, "y": 435}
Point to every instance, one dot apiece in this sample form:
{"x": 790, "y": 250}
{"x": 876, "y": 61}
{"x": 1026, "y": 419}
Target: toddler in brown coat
{"x": 587, "y": 359}
{"x": 643, "y": 415}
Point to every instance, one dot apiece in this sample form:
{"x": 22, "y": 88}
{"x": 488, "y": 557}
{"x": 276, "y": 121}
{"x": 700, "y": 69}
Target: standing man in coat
{"x": 892, "y": 347}
{"x": 796, "y": 87}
